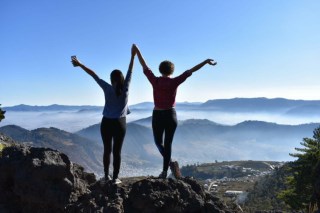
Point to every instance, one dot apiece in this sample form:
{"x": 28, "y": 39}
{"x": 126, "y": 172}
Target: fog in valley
{"x": 222, "y": 130}
{"x": 73, "y": 121}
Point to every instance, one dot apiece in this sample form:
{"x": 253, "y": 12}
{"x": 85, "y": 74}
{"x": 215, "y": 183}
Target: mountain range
{"x": 79, "y": 149}
{"x": 259, "y": 104}
{"x": 195, "y": 141}
{"x": 53, "y": 107}
{"x": 223, "y": 111}
{"x": 279, "y": 105}
{"x": 237, "y": 133}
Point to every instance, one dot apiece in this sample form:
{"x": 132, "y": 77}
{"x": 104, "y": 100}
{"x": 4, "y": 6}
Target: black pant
{"x": 164, "y": 122}
{"x": 112, "y": 129}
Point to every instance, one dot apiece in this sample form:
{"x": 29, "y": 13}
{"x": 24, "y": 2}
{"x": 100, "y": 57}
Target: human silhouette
{"x": 164, "y": 118}
{"x": 113, "y": 124}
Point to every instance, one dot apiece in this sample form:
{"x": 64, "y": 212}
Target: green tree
{"x": 303, "y": 174}
{"x": 263, "y": 195}
{"x": 2, "y": 114}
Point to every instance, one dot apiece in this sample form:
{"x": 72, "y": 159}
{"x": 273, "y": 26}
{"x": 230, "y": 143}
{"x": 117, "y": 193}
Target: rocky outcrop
{"x": 5, "y": 140}
{"x": 39, "y": 180}
{"x": 149, "y": 195}
{"x": 44, "y": 180}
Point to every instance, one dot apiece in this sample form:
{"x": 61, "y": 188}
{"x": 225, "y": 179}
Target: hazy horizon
{"x": 75, "y": 120}
{"x": 151, "y": 101}
{"x": 177, "y": 102}
{"x": 206, "y": 140}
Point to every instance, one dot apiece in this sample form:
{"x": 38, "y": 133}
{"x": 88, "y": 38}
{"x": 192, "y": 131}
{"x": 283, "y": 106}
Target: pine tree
{"x": 1, "y": 114}
{"x": 303, "y": 173}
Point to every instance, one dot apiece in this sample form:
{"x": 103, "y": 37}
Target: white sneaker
{"x": 116, "y": 181}
{"x": 104, "y": 180}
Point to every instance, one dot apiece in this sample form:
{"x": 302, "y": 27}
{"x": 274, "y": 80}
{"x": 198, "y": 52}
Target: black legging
{"x": 164, "y": 122}
{"x": 112, "y": 129}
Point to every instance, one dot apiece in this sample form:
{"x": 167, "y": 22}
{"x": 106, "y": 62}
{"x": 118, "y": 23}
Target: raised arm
{"x": 140, "y": 57}
{"x": 77, "y": 63}
{"x": 197, "y": 67}
{"x": 133, "y": 53}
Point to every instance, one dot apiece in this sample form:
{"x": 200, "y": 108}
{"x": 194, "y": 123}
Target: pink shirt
{"x": 165, "y": 88}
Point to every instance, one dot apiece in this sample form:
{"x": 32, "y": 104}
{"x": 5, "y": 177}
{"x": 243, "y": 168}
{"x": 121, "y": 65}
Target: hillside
{"x": 86, "y": 147}
{"x": 264, "y": 194}
{"x": 195, "y": 141}
{"x": 41, "y": 180}
{"x": 229, "y": 169}
{"x": 255, "y": 140}
{"x": 205, "y": 141}
{"x": 80, "y": 149}
{"x": 260, "y": 182}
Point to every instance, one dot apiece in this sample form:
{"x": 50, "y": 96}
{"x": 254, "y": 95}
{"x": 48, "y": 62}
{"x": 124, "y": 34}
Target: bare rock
{"x": 148, "y": 194}
{"x": 45, "y": 180}
{"x": 39, "y": 180}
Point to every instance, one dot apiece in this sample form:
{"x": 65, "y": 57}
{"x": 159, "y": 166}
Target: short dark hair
{"x": 166, "y": 68}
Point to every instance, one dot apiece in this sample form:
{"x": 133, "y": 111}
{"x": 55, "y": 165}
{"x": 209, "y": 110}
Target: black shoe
{"x": 163, "y": 175}
{"x": 174, "y": 167}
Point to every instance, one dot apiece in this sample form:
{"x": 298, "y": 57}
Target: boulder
{"x": 39, "y": 180}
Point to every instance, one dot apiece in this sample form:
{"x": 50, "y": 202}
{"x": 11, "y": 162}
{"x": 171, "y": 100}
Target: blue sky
{"x": 265, "y": 48}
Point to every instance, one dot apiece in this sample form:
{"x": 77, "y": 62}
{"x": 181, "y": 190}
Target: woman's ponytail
{"x": 117, "y": 79}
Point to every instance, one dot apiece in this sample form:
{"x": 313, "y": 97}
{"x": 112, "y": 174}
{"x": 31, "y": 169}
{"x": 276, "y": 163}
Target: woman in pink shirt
{"x": 164, "y": 118}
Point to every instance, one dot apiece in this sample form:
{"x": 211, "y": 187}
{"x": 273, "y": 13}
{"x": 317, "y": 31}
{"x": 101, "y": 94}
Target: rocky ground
{"x": 45, "y": 180}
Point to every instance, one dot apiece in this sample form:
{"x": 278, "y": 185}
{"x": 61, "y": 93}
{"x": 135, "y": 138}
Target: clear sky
{"x": 264, "y": 48}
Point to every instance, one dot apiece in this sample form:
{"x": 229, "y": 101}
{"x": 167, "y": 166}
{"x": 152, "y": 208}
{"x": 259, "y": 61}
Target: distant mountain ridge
{"x": 203, "y": 140}
{"x": 87, "y": 148}
{"x": 280, "y": 105}
{"x": 258, "y": 104}
{"x": 53, "y": 107}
